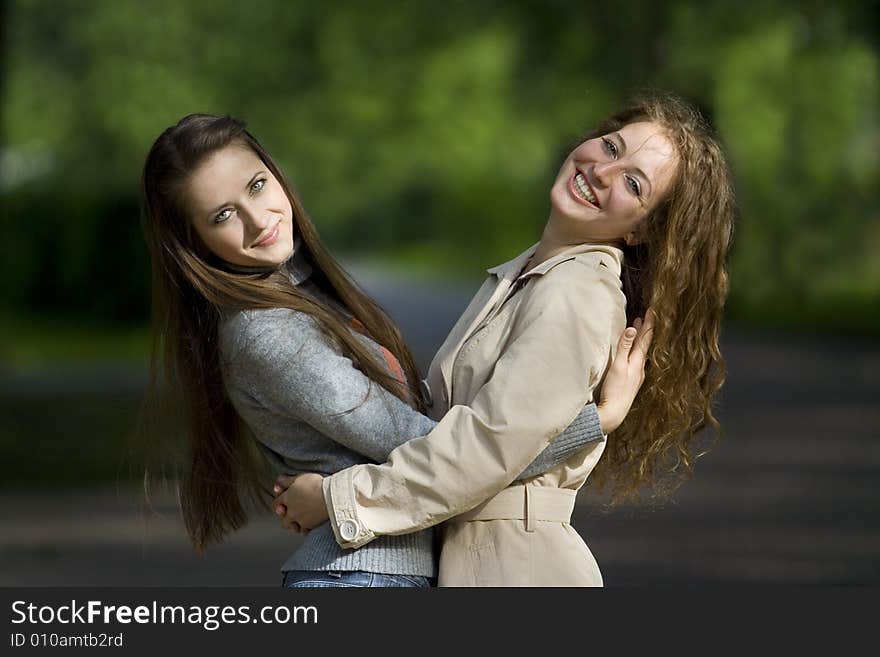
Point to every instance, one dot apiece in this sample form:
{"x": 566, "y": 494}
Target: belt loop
{"x": 530, "y": 521}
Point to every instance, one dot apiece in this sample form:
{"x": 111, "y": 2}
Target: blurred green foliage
{"x": 428, "y": 133}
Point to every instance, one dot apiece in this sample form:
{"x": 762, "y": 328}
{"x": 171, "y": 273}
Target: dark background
{"x": 423, "y": 138}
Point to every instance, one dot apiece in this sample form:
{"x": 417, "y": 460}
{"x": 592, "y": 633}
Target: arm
{"x": 287, "y": 366}
{"x": 561, "y": 341}
{"x": 584, "y": 429}
{"x": 619, "y": 389}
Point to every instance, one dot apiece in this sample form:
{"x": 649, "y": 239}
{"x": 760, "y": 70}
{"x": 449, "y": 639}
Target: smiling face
{"x": 607, "y": 185}
{"x": 239, "y": 209}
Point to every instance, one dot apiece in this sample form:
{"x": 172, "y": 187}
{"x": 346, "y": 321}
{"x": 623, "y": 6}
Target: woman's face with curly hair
{"x": 607, "y": 185}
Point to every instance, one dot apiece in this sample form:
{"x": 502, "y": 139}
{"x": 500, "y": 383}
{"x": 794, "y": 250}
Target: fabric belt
{"x": 524, "y": 502}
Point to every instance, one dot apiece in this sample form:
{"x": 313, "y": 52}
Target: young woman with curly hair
{"x": 641, "y": 216}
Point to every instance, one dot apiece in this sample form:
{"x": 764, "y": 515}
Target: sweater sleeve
{"x": 584, "y": 429}
{"x": 286, "y": 364}
{"x": 546, "y": 373}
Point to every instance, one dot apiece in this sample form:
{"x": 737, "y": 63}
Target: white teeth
{"x": 584, "y": 189}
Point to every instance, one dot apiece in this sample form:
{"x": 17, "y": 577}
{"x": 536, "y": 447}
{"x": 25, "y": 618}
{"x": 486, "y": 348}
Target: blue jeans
{"x": 325, "y": 579}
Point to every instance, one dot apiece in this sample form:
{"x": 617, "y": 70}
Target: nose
{"x": 254, "y": 219}
{"x": 603, "y": 172}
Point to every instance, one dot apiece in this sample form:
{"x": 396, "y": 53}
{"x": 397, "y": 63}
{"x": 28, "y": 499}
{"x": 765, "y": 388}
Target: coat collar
{"x": 610, "y": 256}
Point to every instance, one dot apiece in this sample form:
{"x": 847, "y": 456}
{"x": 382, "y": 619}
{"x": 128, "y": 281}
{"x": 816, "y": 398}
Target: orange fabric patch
{"x": 390, "y": 359}
{"x": 393, "y": 365}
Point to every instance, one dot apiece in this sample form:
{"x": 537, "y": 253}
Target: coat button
{"x": 426, "y": 393}
{"x": 348, "y": 529}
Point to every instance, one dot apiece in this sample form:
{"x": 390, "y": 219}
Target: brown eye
{"x": 611, "y": 147}
{"x": 634, "y": 185}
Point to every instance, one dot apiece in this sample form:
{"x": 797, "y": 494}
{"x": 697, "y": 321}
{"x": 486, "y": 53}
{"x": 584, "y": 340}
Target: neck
{"x": 549, "y": 246}
{"x": 553, "y": 243}
{"x": 242, "y": 269}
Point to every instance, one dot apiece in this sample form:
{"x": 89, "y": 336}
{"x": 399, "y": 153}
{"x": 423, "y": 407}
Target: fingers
{"x": 283, "y": 516}
{"x": 286, "y": 521}
{"x": 646, "y": 334}
{"x": 650, "y": 318}
{"x": 625, "y": 344}
{"x": 282, "y": 483}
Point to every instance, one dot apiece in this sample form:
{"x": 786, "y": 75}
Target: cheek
{"x": 589, "y": 150}
{"x": 276, "y": 195}
{"x": 223, "y": 240}
{"x": 284, "y": 203}
{"x": 623, "y": 205}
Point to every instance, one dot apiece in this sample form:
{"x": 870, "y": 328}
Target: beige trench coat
{"x": 519, "y": 365}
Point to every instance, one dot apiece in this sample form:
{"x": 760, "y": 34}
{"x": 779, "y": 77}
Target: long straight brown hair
{"x": 191, "y": 290}
{"x": 678, "y": 270}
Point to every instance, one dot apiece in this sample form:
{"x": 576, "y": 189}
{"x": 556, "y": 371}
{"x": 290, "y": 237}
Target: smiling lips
{"x": 582, "y": 191}
{"x": 271, "y": 238}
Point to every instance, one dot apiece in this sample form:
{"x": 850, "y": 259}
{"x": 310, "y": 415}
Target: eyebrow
{"x": 636, "y": 170}
{"x": 247, "y": 185}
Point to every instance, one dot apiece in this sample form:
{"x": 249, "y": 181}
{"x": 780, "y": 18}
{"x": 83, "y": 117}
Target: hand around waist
{"x": 300, "y": 501}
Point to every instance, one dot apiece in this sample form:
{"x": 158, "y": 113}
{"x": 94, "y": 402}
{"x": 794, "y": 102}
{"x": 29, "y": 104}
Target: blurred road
{"x": 788, "y": 495}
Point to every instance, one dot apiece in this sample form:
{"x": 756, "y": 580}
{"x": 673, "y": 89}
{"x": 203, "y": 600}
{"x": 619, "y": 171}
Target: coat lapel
{"x": 487, "y": 302}
{"x": 489, "y": 299}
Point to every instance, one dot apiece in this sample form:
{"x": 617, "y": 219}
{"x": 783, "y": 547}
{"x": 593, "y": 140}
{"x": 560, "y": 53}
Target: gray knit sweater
{"x": 311, "y": 410}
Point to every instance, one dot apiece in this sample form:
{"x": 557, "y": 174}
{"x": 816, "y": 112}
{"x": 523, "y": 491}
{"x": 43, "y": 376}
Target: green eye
{"x": 222, "y": 216}
{"x": 258, "y": 185}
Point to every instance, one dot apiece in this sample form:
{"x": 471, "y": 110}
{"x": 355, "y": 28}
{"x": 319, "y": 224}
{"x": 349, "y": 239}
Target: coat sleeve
{"x": 285, "y": 364}
{"x": 557, "y": 351}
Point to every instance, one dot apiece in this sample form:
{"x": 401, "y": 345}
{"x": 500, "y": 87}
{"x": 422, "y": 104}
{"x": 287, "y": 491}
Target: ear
{"x": 632, "y": 238}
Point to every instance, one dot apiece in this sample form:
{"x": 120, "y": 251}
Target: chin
{"x": 287, "y": 252}
{"x": 281, "y": 258}
{"x": 570, "y": 214}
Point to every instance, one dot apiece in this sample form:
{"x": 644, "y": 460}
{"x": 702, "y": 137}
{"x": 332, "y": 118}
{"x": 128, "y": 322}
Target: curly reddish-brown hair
{"x": 678, "y": 271}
